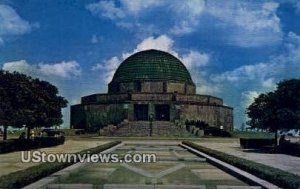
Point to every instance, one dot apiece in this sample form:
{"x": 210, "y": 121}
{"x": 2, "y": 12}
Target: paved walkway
{"x": 280, "y": 161}
{"x": 11, "y": 162}
{"x": 153, "y": 175}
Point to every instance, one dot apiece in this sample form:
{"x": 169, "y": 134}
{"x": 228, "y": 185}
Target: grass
{"x": 251, "y": 134}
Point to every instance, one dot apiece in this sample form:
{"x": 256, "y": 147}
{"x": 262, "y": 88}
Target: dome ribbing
{"x": 152, "y": 65}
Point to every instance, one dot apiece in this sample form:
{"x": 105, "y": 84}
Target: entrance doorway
{"x": 162, "y": 112}
{"x": 141, "y": 112}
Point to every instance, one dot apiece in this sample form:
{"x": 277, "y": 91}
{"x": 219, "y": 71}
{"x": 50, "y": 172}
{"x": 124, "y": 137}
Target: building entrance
{"x": 162, "y": 112}
{"x": 141, "y": 112}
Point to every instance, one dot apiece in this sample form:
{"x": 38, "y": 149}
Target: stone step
{"x": 70, "y": 186}
{"x": 141, "y": 186}
{"x": 142, "y": 128}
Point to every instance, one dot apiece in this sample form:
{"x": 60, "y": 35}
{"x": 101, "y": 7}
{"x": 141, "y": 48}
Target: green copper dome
{"x": 152, "y": 65}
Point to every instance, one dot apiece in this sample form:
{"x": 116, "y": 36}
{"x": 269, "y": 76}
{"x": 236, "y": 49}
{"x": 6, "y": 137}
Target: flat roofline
{"x": 96, "y": 94}
{"x": 178, "y": 102}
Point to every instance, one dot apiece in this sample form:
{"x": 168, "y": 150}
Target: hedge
{"x": 256, "y": 143}
{"x": 289, "y": 148}
{"x": 27, "y": 176}
{"x": 216, "y": 132}
{"x": 280, "y": 178}
{"x": 28, "y": 144}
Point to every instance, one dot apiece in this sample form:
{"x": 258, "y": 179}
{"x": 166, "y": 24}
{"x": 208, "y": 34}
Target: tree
{"x": 276, "y": 110}
{"x": 28, "y": 102}
{"x": 7, "y": 112}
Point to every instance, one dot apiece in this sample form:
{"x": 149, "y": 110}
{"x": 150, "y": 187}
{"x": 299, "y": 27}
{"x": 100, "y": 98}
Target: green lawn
{"x": 251, "y": 134}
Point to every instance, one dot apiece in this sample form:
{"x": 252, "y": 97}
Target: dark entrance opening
{"x": 141, "y": 112}
{"x": 162, "y": 112}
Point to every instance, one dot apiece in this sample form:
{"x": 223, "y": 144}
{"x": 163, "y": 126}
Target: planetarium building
{"x": 153, "y": 84}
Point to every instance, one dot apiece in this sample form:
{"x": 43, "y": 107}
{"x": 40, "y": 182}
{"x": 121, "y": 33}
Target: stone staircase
{"x": 142, "y": 129}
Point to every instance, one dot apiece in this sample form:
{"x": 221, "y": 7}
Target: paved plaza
{"x": 11, "y": 162}
{"x": 281, "y": 161}
{"x": 176, "y": 168}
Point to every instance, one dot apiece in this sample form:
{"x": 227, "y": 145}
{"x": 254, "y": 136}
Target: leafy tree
{"x": 5, "y": 106}
{"x": 28, "y": 102}
{"x": 279, "y": 109}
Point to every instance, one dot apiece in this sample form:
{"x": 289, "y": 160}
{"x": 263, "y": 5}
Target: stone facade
{"x": 181, "y": 107}
{"x": 151, "y": 87}
{"x": 167, "y": 96}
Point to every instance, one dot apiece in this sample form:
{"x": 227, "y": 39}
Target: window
{"x": 164, "y": 87}
{"x": 138, "y": 86}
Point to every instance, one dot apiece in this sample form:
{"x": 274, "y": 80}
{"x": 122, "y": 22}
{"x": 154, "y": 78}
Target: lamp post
{"x": 150, "y": 124}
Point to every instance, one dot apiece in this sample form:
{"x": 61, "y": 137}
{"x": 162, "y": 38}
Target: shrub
{"x": 198, "y": 123}
{"x": 290, "y": 148}
{"x": 216, "y": 132}
{"x": 256, "y": 143}
{"x": 280, "y": 178}
{"x": 25, "y": 144}
{"x": 7, "y": 146}
{"x": 24, "y": 177}
{"x": 201, "y": 124}
{"x": 188, "y": 127}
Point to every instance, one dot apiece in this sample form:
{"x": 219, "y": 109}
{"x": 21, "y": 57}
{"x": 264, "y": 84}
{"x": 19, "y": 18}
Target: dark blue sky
{"x": 234, "y": 49}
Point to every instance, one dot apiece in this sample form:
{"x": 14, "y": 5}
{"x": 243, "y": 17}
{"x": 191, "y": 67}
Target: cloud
{"x": 111, "y": 10}
{"x": 263, "y": 73}
{"x": 188, "y": 14}
{"x": 135, "y": 6}
{"x": 94, "y": 39}
{"x": 1, "y": 42}
{"x": 105, "y": 8}
{"x": 108, "y": 68}
{"x": 162, "y": 42}
{"x": 294, "y": 3}
{"x": 240, "y": 85}
{"x": 61, "y": 70}
{"x": 193, "y": 59}
{"x": 244, "y": 24}
{"x": 247, "y": 24}
{"x": 11, "y": 24}
{"x": 247, "y": 98}
{"x": 246, "y": 73}
{"x": 132, "y": 14}
{"x": 19, "y": 66}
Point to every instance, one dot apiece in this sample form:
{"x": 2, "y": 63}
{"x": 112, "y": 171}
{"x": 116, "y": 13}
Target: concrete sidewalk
{"x": 281, "y": 161}
{"x": 11, "y": 162}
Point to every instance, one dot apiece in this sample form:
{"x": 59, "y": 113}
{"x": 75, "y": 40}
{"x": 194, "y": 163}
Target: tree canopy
{"x": 279, "y": 109}
{"x": 25, "y": 101}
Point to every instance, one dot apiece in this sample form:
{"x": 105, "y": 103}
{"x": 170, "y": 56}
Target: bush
{"x": 280, "y": 178}
{"x": 198, "y": 123}
{"x": 27, "y": 176}
{"x": 25, "y": 144}
{"x": 188, "y": 127}
{"x": 256, "y": 143}
{"x": 289, "y": 148}
{"x": 7, "y": 146}
{"x": 213, "y": 131}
